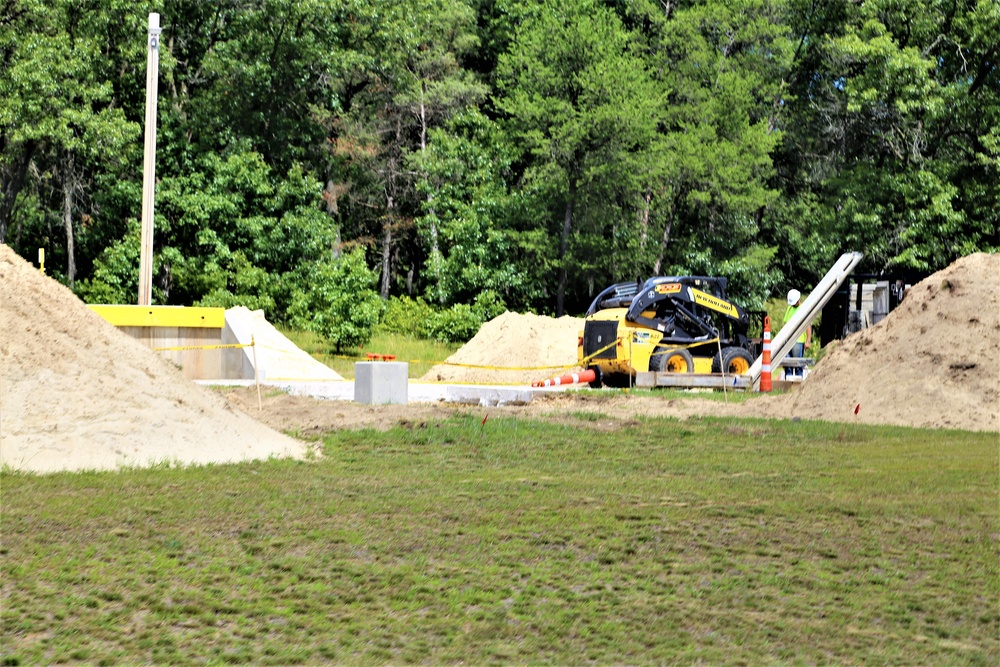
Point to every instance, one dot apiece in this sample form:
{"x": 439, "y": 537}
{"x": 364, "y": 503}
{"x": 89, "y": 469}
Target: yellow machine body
{"x": 634, "y": 346}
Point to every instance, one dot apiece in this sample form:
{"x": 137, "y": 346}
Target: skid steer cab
{"x": 672, "y": 324}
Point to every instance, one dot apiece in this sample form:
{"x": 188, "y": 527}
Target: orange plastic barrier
{"x": 765, "y": 359}
{"x": 573, "y": 378}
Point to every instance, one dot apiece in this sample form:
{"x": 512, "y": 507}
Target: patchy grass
{"x": 421, "y": 354}
{"x": 707, "y": 540}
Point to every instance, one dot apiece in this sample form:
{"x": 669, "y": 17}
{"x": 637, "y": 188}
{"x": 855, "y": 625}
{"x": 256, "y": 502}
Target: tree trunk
{"x": 663, "y": 244}
{"x": 330, "y": 195}
{"x": 644, "y": 218}
{"x": 423, "y": 120}
{"x": 166, "y": 282}
{"x": 387, "y": 249}
{"x": 564, "y": 248}
{"x": 436, "y": 259}
{"x": 69, "y": 183}
{"x": 12, "y": 186}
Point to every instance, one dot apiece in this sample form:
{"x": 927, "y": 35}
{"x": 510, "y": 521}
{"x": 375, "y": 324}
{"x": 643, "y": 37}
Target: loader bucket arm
{"x": 683, "y": 301}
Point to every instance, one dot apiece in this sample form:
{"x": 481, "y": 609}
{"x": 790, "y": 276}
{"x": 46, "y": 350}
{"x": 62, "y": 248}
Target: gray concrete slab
{"x": 489, "y": 396}
{"x": 418, "y": 392}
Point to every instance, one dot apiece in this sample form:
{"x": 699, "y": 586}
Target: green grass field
{"x": 526, "y": 542}
{"x": 420, "y": 353}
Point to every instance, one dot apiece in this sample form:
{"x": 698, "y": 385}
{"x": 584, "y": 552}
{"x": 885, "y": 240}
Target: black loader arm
{"x": 683, "y": 313}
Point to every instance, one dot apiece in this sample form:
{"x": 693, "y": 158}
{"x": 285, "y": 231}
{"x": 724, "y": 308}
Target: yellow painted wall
{"x": 178, "y": 326}
{"x": 161, "y": 316}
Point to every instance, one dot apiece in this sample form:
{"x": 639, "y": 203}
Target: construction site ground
{"x": 933, "y": 363}
{"x": 308, "y": 415}
{"x": 75, "y": 393}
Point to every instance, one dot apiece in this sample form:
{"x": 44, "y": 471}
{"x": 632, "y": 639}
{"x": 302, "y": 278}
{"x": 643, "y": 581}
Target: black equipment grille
{"x": 597, "y": 335}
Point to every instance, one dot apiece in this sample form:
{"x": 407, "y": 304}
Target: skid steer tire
{"x": 676, "y": 361}
{"x": 735, "y": 361}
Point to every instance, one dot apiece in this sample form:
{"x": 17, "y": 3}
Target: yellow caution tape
{"x": 591, "y": 356}
{"x": 452, "y": 363}
{"x": 582, "y": 362}
{"x": 284, "y": 379}
{"x": 200, "y": 347}
{"x": 501, "y": 368}
{"x": 412, "y": 361}
{"x": 458, "y": 383}
{"x": 685, "y": 347}
{"x": 534, "y": 368}
{"x": 265, "y": 346}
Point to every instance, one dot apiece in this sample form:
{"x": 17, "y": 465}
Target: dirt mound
{"x": 75, "y": 393}
{"x": 933, "y": 362}
{"x": 524, "y": 344}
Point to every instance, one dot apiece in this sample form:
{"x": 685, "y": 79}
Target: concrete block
{"x": 488, "y": 396}
{"x": 381, "y": 382}
{"x": 645, "y": 379}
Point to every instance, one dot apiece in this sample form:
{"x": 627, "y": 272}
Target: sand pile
{"x": 933, "y": 362}
{"x": 75, "y": 393}
{"x": 514, "y": 340}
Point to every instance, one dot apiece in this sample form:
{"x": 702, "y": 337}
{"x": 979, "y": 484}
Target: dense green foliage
{"x": 420, "y": 352}
{"x": 415, "y": 317}
{"x": 538, "y": 150}
{"x": 404, "y": 316}
{"x": 341, "y": 304}
{"x": 585, "y": 539}
{"x": 461, "y": 321}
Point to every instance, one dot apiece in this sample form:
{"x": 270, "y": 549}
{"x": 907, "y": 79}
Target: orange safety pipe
{"x": 573, "y": 378}
{"x": 765, "y": 360}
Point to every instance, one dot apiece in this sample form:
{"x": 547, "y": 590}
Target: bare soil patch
{"x": 308, "y": 416}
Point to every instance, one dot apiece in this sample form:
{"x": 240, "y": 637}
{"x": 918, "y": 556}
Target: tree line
{"x": 495, "y": 153}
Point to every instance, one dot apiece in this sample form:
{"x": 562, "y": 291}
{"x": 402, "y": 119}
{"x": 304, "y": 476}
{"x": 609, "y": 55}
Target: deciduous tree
{"x": 581, "y": 101}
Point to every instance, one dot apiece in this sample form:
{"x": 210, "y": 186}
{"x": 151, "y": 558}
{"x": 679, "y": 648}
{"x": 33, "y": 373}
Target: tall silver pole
{"x": 149, "y": 162}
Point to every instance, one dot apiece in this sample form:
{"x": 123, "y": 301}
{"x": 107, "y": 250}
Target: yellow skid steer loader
{"x": 681, "y": 324}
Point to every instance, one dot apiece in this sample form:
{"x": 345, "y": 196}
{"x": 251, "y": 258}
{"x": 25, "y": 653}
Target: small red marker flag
{"x": 856, "y": 408}
{"x": 484, "y": 420}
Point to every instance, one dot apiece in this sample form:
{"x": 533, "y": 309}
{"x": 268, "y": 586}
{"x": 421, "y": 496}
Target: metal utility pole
{"x": 149, "y": 162}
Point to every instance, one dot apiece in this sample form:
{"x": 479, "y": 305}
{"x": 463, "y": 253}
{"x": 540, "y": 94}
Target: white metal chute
{"x": 782, "y": 342}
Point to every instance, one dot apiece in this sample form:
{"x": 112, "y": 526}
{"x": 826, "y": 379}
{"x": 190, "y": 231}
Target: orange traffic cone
{"x": 586, "y": 376}
{"x": 765, "y": 361}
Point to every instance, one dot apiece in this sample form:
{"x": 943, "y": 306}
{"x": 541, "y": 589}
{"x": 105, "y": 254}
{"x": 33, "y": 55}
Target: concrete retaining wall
{"x": 180, "y": 327}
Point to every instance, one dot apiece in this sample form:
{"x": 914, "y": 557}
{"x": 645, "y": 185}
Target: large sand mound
{"x": 933, "y": 362}
{"x": 514, "y": 341}
{"x": 75, "y": 393}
